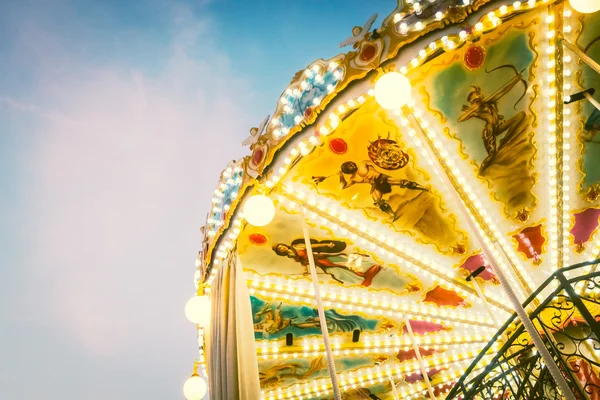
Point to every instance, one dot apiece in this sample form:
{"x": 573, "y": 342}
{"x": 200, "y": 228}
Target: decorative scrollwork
{"x": 568, "y": 322}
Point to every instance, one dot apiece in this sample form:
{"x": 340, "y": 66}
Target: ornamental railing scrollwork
{"x": 566, "y": 312}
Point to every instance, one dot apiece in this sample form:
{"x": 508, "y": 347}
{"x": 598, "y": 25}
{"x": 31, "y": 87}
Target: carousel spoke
{"x": 500, "y": 272}
{"x": 584, "y": 57}
{"x": 321, "y": 311}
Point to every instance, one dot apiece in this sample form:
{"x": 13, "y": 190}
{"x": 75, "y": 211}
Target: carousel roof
{"x": 381, "y": 191}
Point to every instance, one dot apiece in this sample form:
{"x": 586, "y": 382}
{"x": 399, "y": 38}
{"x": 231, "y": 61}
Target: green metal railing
{"x": 564, "y": 309}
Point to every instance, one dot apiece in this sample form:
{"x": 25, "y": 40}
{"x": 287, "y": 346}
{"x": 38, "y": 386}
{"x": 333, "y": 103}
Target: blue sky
{"x": 116, "y": 118}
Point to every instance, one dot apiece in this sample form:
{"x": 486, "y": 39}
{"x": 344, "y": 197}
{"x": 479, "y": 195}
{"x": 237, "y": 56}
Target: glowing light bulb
{"x": 259, "y": 210}
{"x": 194, "y": 388}
{"x": 197, "y": 310}
{"x": 392, "y": 90}
{"x": 585, "y": 6}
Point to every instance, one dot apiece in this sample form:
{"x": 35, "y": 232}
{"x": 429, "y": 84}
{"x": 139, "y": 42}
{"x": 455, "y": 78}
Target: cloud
{"x": 121, "y": 166}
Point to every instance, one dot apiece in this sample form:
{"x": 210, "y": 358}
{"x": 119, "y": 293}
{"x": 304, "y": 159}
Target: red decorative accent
{"x": 257, "y": 156}
{"x": 424, "y": 327}
{"x": 586, "y": 223}
{"x": 444, "y": 297}
{"x": 308, "y": 112}
{"x": 588, "y": 376}
{"x": 257, "y": 238}
{"x": 367, "y": 52}
{"x": 441, "y": 390}
{"x": 474, "y": 57}
{"x": 417, "y": 376}
{"x": 338, "y": 146}
{"x": 477, "y": 261}
{"x": 406, "y": 355}
{"x": 530, "y": 242}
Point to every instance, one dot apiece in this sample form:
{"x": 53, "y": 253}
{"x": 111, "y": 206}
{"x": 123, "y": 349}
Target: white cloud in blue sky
{"x": 116, "y": 118}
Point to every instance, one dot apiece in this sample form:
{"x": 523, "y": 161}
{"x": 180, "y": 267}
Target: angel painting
{"x": 348, "y": 269}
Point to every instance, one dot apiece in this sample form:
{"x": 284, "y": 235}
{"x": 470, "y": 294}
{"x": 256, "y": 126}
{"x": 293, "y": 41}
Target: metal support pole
{"x": 485, "y": 303}
{"x": 322, "y": 319}
{"x": 584, "y": 57}
{"x": 394, "y": 391}
{"x": 419, "y": 358}
{"x": 592, "y": 100}
{"x": 489, "y": 256}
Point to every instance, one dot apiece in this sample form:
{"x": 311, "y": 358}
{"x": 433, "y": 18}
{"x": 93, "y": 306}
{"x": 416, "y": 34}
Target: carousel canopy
{"x": 496, "y": 150}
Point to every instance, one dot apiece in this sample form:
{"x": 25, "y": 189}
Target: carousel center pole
{"x": 489, "y": 256}
{"x": 322, "y": 319}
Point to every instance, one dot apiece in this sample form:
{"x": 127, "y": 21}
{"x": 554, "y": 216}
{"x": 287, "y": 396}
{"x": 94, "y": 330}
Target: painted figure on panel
{"x": 295, "y": 371}
{"x": 496, "y": 125}
{"x": 368, "y": 166}
{"x": 348, "y": 269}
{"x": 288, "y": 372}
{"x": 381, "y": 184}
{"x": 273, "y": 321}
{"x": 486, "y": 109}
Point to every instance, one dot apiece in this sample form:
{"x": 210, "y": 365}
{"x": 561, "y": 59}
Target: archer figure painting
{"x": 589, "y": 130}
{"x": 484, "y": 96}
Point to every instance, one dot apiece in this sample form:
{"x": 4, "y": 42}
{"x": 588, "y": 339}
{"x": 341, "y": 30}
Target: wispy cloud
{"x": 122, "y": 166}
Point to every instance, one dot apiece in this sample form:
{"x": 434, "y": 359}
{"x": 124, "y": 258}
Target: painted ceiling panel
{"x": 401, "y": 204}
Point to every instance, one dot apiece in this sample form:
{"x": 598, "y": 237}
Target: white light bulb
{"x": 259, "y": 210}
{"x": 197, "y": 310}
{"x": 392, "y": 90}
{"x": 585, "y": 6}
{"x": 194, "y": 388}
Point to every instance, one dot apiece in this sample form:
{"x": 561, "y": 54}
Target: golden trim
{"x": 557, "y": 10}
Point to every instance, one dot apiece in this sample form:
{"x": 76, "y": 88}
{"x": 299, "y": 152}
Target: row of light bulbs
{"x": 365, "y": 351}
{"x": 314, "y": 71}
{"x": 388, "y": 246}
{"x": 488, "y": 229}
{"x": 554, "y": 143}
{"x": 357, "y": 300}
{"x": 227, "y": 180}
{"x": 376, "y": 341}
{"x": 380, "y": 374}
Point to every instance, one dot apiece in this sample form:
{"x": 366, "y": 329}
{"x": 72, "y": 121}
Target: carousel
{"x": 418, "y": 219}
